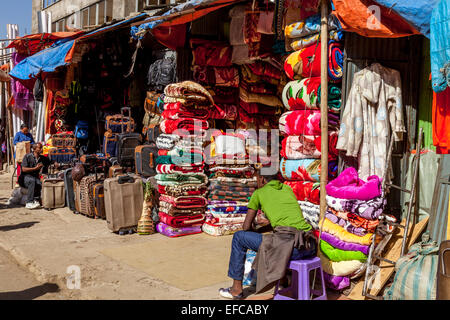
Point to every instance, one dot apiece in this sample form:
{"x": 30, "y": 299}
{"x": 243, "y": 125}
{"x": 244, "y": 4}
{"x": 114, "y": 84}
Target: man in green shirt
{"x": 279, "y": 204}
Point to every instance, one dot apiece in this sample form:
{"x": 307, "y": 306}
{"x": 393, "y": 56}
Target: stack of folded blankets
{"x": 232, "y": 182}
{"x": 352, "y": 216}
{"x": 180, "y": 162}
{"x": 300, "y": 158}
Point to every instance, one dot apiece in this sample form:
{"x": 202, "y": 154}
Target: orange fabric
{"x": 34, "y": 43}
{"x": 441, "y": 121}
{"x": 355, "y": 16}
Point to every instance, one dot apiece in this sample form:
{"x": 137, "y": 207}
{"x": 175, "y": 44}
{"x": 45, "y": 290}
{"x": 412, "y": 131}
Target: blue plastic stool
{"x": 300, "y": 287}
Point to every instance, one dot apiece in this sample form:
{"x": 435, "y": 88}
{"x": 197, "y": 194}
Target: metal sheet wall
{"x": 402, "y": 54}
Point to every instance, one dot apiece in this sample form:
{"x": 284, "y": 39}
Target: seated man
{"x": 32, "y": 164}
{"x": 292, "y": 238}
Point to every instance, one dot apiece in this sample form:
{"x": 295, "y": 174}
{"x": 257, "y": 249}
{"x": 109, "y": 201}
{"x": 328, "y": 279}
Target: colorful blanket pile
{"x": 303, "y": 147}
{"x": 350, "y": 222}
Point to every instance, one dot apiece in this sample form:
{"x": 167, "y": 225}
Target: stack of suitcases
{"x": 180, "y": 162}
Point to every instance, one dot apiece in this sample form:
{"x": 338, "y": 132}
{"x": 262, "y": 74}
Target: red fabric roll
{"x": 305, "y": 190}
{"x": 181, "y": 221}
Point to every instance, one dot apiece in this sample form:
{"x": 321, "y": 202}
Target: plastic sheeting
{"x": 369, "y": 19}
{"x": 440, "y": 46}
{"x": 416, "y": 12}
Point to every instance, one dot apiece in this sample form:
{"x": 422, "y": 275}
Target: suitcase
{"x": 64, "y": 140}
{"x": 114, "y": 171}
{"x": 62, "y": 155}
{"x": 77, "y": 196}
{"x": 53, "y": 192}
{"x": 127, "y": 142}
{"x": 443, "y": 273}
{"x": 99, "y": 201}
{"x": 124, "y": 198}
{"x": 117, "y": 122}
{"x": 110, "y": 144}
{"x": 145, "y": 160}
{"x": 87, "y": 202}
{"x": 68, "y": 185}
{"x": 153, "y": 133}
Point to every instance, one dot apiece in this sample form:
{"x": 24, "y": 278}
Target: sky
{"x": 15, "y": 12}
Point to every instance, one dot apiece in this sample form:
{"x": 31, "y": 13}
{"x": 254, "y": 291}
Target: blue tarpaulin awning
{"x": 60, "y": 54}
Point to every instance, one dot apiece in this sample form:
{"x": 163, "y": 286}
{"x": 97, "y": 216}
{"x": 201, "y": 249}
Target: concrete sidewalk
{"x": 47, "y": 242}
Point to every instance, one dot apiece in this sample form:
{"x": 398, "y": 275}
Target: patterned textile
{"x": 303, "y": 147}
{"x": 344, "y": 235}
{"x": 334, "y": 98}
{"x": 216, "y": 76}
{"x": 224, "y": 218}
{"x": 173, "y": 114}
{"x": 346, "y": 225}
{"x": 210, "y": 53}
{"x": 172, "y": 168}
{"x": 300, "y": 122}
{"x": 166, "y": 141}
{"x": 311, "y": 213}
{"x": 356, "y": 220}
{"x": 180, "y": 221}
{"x": 250, "y": 77}
{"x": 305, "y": 190}
{"x": 309, "y": 26}
{"x": 190, "y": 125}
{"x": 179, "y": 178}
{"x": 223, "y": 186}
{"x": 177, "y": 232}
{"x": 335, "y": 61}
{"x": 183, "y": 190}
{"x": 221, "y": 229}
{"x": 184, "y": 202}
{"x": 300, "y": 43}
{"x": 269, "y": 100}
{"x": 303, "y": 63}
{"x": 248, "y": 182}
{"x": 368, "y": 119}
{"x": 258, "y": 109}
{"x": 244, "y": 171}
{"x": 259, "y": 87}
{"x": 301, "y": 94}
{"x": 368, "y": 209}
{"x": 223, "y": 111}
{"x": 265, "y": 70}
{"x": 188, "y": 90}
{"x": 172, "y": 211}
{"x": 230, "y": 194}
{"x": 227, "y": 210}
{"x": 213, "y": 197}
{"x": 303, "y": 169}
{"x": 251, "y": 37}
{"x": 163, "y": 160}
{"x": 223, "y": 203}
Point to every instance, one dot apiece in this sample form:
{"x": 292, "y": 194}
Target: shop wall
{"x": 402, "y": 54}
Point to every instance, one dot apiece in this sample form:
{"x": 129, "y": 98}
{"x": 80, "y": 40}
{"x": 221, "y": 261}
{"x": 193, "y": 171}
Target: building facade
{"x": 82, "y": 14}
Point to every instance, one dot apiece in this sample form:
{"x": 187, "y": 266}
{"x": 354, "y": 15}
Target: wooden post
{"x": 324, "y": 105}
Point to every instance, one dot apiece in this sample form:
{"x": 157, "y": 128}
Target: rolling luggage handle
{"x": 128, "y": 109}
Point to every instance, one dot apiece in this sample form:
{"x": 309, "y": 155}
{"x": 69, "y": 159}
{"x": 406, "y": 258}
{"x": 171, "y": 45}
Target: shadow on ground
{"x": 31, "y": 293}
{"x": 18, "y": 226}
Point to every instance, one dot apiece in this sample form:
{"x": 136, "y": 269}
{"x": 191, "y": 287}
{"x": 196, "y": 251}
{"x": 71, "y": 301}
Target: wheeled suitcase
{"x": 145, "y": 160}
{"x": 87, "y": 206}
{"x": 70, "y": 194}
{"x": 53, "y": 193}
{"x": 127, "y": 142}
{"x": 64, "y": 140}
{"x": 115, "y": 123}
{"x": 110, "y": 144}
{"x": 124, "y": 198}
{"x": 77, "y": 196}
{"x": 114, "y": 171}
{"x": 99, "y": 200}
{"x": 62, "y": 155}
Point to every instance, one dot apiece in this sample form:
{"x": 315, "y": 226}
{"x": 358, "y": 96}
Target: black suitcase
{"x": 126, "y": 145}
{"x": 70, "y": 194}
{"x": 145, "y": 160}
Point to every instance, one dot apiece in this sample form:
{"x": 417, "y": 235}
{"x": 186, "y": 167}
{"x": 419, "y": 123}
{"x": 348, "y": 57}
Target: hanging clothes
{"x": 441, "y": 121}
{"x": 373, "y": 109}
